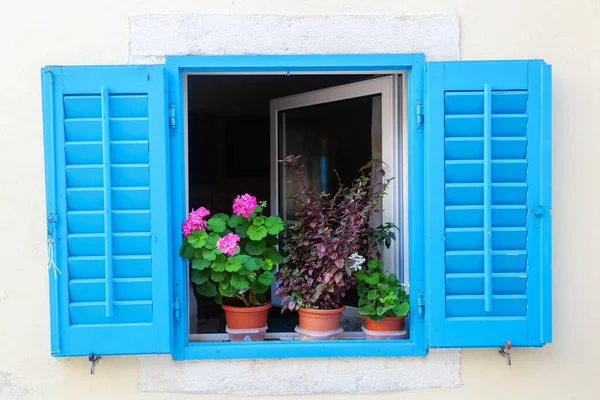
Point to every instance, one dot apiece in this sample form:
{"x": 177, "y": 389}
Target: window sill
{"x": 302, "y": 349}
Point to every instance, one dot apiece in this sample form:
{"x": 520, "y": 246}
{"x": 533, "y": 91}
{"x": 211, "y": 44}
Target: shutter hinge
{"x": 49, "y": 71}
{"x": 420, "y": 305}
{"x": 176, "y": 313}
{"x": 176, "y": 305}
{"x": 538, "y": 214}
{"x": 51, "y": 221}
{"x": 172, "y": 119}
{"x": 419, "y": 113}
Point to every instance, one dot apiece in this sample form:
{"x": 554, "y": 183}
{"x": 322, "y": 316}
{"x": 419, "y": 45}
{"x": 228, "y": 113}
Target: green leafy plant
{"x": 232, "y": 256}
{"x": 380, "y": 293}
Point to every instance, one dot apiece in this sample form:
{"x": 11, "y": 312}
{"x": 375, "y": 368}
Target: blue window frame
{"x": 414, "y": 64}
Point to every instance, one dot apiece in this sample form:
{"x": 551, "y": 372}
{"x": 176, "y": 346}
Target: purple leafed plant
{"x": 331, "y": 232}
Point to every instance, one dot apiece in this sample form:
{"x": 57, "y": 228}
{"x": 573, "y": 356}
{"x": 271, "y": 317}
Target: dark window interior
{"x": 229, "y": 150}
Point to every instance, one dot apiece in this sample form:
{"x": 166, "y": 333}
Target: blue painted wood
{"x": 546, "y": 200}
{"x": 416, "y": 201}
{"x": 51, "y": 207}
{"x": 488, "y": 258}
{"x": 303, "y": 349}
{"x": 487, "y": 196}
{"x": 105, "y": 132}
{"x": 178, "y": 209}
{"x": 106, "y": 175}
{"x": 414, "y": 64}
{"x": 290, "y": 63}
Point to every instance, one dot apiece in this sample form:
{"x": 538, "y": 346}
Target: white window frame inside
{"x": 393, "y": 88}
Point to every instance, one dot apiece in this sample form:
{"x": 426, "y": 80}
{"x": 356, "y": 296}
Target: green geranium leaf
{"x": 200, "y": 264}
{"x": 197, "y": 239}
{"x": 222, "y": 216}
{"x": 258, "y": 209}
{"x": 251, "y": 265}
{"x": 361, "y": 276}
{"x": 256, "y": 248}
{"x": 367, "y": 310}
{"x": 274, "y": 225}
{"x": 235, "y": 221}
{"x": 401, "y": 310}
{"x": 373, "y": 279}
{"x": 258, "y": 221}
{"x": 372, "y": 295}
{"x": 209, "y": 254}
{"x": 239, "y": 282}
{"x": 380, "y": 311}
{"x": 218, "y": 298}
{"x": 228, "y": 291}
{"x": 242, "y": 230}
{"x": 272, "y": 254}
{"x": 216, "y": 224}
{"x": 207, "y": 289}
{"x": 219, "y": 263}
{"x": 267, "y": 265}
{"x": 260, "y": 264}
{"x": 186, "y": 250}
{"x": 200, "y": 277}
{"x": 233, "y": 264}
{"x": 218, "y": 276}
{"x": 211, "y": 241}
{"x": 259, "y": 288}
{"x": 266, "y": 278}
{"x": 257, "y": 232}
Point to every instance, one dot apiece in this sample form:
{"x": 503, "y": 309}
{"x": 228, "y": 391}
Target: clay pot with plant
{"x": 322, "y": 250}
{"x": 232, "y": 258}
{"x": 382, "y": 298}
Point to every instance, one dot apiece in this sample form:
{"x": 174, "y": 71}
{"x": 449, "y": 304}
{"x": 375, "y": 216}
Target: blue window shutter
{"x": 488, "y": 211}
{"x": 105, "y": 140}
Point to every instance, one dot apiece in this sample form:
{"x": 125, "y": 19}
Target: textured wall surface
{"x": 440, "y": 369}
{"x": 153, "y": 36}
{"x": 66, "y": 32}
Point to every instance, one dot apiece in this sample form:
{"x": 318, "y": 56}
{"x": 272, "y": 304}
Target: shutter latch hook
{"x": 94, "y": 360}
{"x": 505, "y": 352}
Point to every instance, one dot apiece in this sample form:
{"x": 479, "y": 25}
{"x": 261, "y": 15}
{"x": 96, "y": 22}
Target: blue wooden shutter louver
{"x": 488, "y": 168}
{"x": 105, "y": 133}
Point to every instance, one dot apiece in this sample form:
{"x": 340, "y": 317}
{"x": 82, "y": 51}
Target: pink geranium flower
{"x": 228, "y": 244}
{"x": 244, "y": 205}
{"x": 195, "y": 221}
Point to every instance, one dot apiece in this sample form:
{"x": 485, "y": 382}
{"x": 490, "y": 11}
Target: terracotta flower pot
{"x": 246, "y": 317}
{"x": 320, "y": 320}
{"x": 388, "y": 324}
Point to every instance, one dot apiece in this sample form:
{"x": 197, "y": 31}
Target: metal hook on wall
{"x": 505, "y": 352}
{"x": 94, "y": 360}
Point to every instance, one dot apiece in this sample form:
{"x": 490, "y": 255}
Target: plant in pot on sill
{"x": 232, "y": 258}
{"x": 382, "y": 300}
{"x": 322, "y": 250}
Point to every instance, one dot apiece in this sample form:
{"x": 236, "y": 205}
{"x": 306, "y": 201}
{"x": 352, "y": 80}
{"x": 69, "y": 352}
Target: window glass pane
{"x": 335, "y": 140}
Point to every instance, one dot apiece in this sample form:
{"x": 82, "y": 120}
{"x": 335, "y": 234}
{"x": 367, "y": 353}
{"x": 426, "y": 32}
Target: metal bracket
{"x": 419, "y": 113}
{"x": 50, "y": 221}
{"x": 420, "y": 305}
{"x": 94, "y": 360}
{"x": 538, "y": 214}
{"x": 172, "y": 119}
{"x": 505, "y": 352}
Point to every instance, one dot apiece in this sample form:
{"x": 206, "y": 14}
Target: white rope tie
{"x": 51, "y": 262}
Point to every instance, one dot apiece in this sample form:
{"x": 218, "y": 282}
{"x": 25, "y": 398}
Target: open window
{"x": 239, "y": 126}
{"x": 471, "y": 156}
